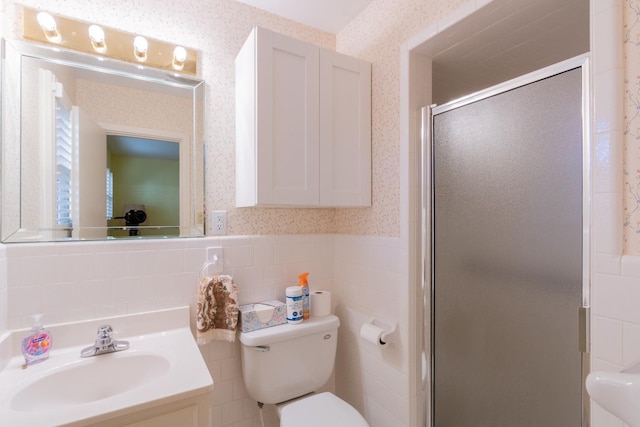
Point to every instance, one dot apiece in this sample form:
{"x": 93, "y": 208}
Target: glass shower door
{"x": 508, "y": 257}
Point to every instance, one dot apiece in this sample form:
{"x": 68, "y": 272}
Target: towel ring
{"x": 216, "y": 266}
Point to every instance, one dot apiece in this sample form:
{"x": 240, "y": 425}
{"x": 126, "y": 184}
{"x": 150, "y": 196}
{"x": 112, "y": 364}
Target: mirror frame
{"x": 11, "y": 222}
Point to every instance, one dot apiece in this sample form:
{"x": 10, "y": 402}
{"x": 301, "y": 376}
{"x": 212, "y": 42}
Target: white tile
{"x": 142, "y": 305}
{"x": 264, "y": 294}
{"x": 170, "y": 261}
{"x": 215, "y": 370}
{"x": 607, "y": 163}
{"x": 127, "y": 289}
{"x": 110, "y": 265}
{"x": 38, "y": 270}
{"x": 607, "y": 39}
{"x": 616, "y": 297}
{"x": 630, "y": 266}
{"x": 194, "y": 258}
{"x": 231, "y": 368}
{"x": 241, "y": 256}
{"x": 386, "y": 398}
{"x": 24, "y": 300}
{"x": 606, "y": 263}
{"x": 602, "y": 418}
{"x": 630, "y": 343}
{"x": 111, "y": 310}
{"x": 253, "y": 277}
{"x": 76, "y": 267}
{"x": 160, "y": 286}
{"x": 222, "y": 392}
{"x": 391, "y": 377}
{"x": 264, "y": 254}
{"x": 32, "y": 249}
{"x": 184, "y": 284}
{"x": 59, "y": 297}
{"x": 239, "y": 389}
{"x": 220, "y": 350}
{"x": 378, "y": 416}
{"x": 606, "y": 223}
{"x": 608, "y": 109}
{"x": 216, "y": 415}
{"x": 142, "y": 263}
{"x": 232, "y": 412}
{"x": 72, "y": 248}
{"x": 607, "y": 339}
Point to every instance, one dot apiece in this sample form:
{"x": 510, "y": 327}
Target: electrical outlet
{"x": 219, "y": 222}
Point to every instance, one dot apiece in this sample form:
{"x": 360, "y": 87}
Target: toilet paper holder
{"x": 386, "y": 331}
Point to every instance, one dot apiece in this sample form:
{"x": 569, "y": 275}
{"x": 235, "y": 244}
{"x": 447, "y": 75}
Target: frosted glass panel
{"x": 508, "y": 258}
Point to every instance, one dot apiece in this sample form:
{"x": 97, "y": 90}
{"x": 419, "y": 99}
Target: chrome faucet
{"x": 104, "y": 343}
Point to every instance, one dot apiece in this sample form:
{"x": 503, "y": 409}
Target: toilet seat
{"x": 321, "y": 410}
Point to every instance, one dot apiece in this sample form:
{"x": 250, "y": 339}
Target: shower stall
{"x": 506, "y": 252}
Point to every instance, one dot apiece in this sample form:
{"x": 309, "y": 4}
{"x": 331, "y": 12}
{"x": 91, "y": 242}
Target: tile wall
{"x": 86, "y": 280}
{"x": 615, "y": 284}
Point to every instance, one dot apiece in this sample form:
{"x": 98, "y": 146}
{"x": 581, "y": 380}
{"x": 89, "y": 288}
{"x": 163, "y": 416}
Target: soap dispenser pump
{"x": 36, "y": 346}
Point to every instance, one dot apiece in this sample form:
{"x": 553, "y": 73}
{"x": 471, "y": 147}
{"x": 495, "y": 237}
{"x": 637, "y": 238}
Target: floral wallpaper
{"x": 632, "y": 127}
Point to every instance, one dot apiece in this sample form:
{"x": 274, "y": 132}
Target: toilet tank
{"x": 287, "y": 361}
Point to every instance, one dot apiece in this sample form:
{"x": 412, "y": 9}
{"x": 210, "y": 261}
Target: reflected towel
{"x": 217, "y": 315}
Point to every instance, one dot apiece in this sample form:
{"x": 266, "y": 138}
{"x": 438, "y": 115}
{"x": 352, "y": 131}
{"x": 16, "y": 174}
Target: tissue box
{"x": 262, "y": 315}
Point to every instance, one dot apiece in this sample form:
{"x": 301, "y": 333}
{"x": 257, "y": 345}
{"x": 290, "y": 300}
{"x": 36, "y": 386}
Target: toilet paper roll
{"x": 320, "y": 303}
{"x": 372, "y": 334}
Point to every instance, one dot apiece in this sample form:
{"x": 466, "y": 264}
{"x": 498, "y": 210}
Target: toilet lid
{"x": 321, "y": 410}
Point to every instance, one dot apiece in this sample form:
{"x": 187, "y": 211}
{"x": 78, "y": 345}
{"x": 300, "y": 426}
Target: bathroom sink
{"x": 88, "y": 380}
{"x": 161, "y": 367}
{"x": 618, "y": 392}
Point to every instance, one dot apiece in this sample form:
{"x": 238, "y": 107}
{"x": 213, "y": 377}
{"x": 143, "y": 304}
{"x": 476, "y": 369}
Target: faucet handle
{"x": 105, "y": 330}
{"x": 105, "y": 337}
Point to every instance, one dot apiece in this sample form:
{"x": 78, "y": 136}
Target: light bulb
{"x": 46, "y": 21}
{"x": 179, "y": 54}
{"x": 49, "y": 27}
{"x": 140, "y": 46}
{"x": 96, "y": 34}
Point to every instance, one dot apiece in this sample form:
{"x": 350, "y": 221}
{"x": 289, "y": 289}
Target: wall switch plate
{"x": 219, "y": 223}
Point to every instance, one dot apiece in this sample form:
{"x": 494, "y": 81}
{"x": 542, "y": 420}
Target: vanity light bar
{"x": 68, "y": 33}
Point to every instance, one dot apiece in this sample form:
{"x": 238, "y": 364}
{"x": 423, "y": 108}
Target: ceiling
{"x": 327, "y": 15}
{"x": 503, "y": 40}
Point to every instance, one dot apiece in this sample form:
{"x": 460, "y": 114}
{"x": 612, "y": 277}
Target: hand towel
{"x": 217, "y": 315}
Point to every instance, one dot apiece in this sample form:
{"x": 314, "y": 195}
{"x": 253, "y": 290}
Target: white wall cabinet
{"x": 303, "y": 125}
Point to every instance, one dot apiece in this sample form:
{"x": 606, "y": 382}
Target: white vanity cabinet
{"x": 303, "y": 125}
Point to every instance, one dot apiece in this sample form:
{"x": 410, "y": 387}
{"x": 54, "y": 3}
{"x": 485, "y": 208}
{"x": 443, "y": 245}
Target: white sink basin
{"x": 161, "y": 365}
{"x": 618, "y": 393}
{"x": 91, "y": 379}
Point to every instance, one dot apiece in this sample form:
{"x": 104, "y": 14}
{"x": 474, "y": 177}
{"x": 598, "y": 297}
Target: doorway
{"x": 508, "y": 253}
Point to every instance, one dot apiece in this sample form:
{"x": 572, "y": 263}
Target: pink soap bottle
{"x": 36, "y": 346}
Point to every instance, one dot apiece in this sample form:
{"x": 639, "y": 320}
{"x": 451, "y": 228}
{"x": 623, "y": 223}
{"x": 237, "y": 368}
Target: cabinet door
{"x": 187, "y": 417}
{"x": 345, "y": 130}
{"x": 287, "y": 121}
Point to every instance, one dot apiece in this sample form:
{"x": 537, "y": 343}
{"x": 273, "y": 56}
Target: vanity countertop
{"x": 163, "y": 364}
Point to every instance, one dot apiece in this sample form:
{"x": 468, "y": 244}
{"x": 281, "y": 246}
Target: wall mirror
{"x": 94, "y": 148}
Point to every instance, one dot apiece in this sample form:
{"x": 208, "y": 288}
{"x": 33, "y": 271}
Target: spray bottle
{"x": 302, "y": 282}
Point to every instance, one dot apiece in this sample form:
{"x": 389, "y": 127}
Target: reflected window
{"x": 109, "y": 194}
{"x": 63, "y": 165}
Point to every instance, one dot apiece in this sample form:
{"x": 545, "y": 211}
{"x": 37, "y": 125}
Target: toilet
{"x": 286, "y": 364}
